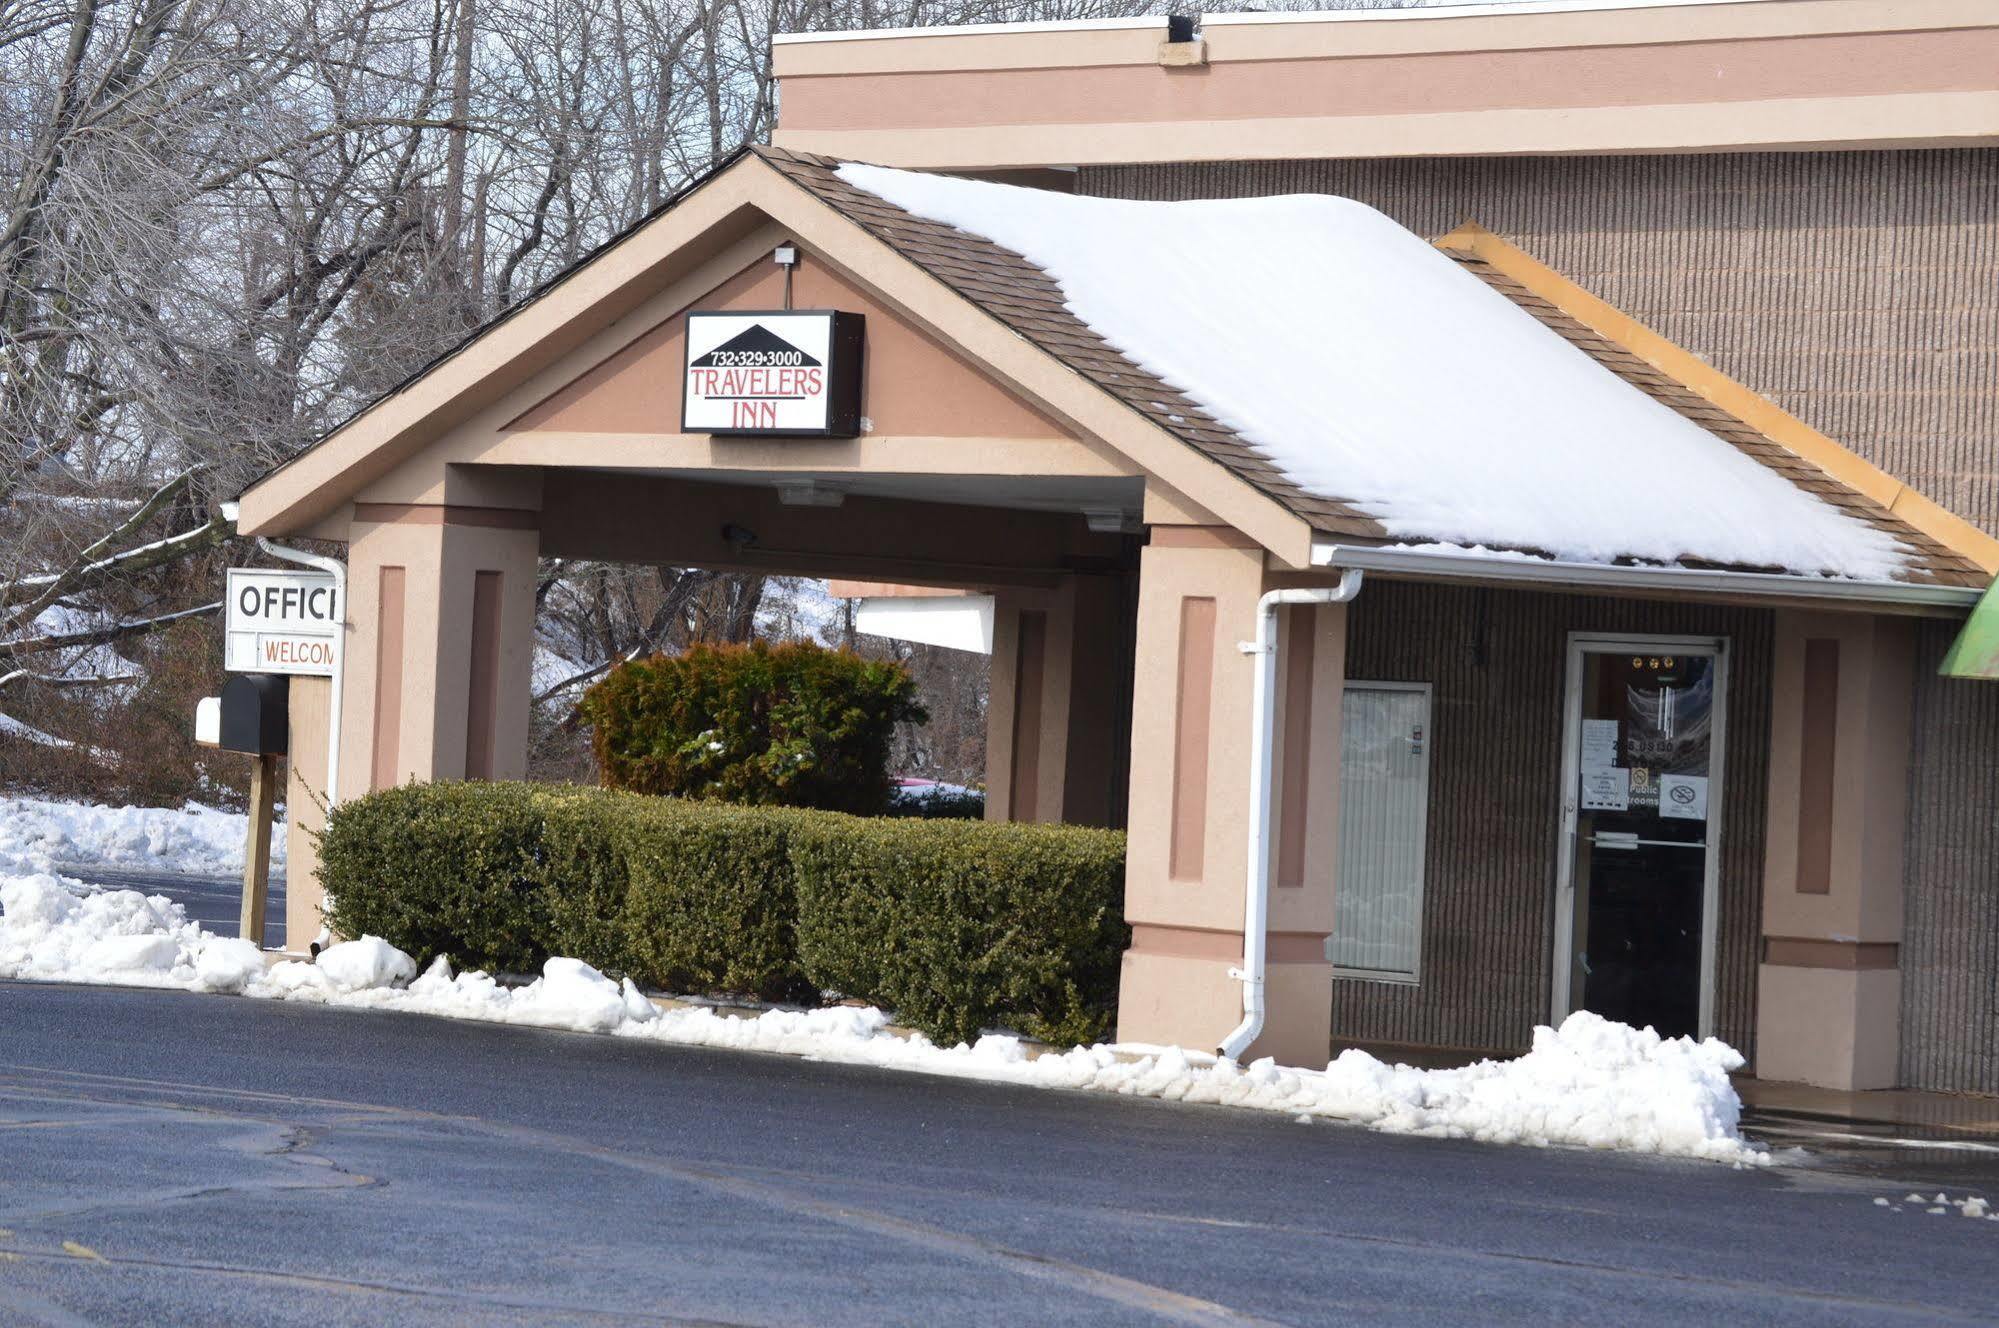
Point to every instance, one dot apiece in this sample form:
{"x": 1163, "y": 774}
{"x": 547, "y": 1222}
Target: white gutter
{"x": 1256, "y": 893}
{"x": 1671, "y": 580}
{"x": 338, "y": 570}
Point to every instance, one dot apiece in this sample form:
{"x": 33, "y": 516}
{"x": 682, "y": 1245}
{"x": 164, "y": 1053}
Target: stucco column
{"x": 1828, "y": 1006}
{"x": 1304, "y": 832}
{"x": 440, "y": 647}
{"x": 1027, "y": 704}
{"x": 1055, "y": 703}
{"x": 1186, "y": 871}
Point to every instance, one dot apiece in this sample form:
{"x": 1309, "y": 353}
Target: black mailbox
{"x": 256, "y": 713}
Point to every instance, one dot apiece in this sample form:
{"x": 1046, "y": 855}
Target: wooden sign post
{"x": 257, "y": 846}
{"x": 253, "y": 716}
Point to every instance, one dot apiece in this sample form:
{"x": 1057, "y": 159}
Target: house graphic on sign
{"x": 755, "y": 346}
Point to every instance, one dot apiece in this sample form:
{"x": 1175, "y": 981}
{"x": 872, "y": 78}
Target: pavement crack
{"x": 321, "y": 1282}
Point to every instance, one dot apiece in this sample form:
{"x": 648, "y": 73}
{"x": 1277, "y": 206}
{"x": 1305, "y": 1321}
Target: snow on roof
{"x": 1371, "y": 370}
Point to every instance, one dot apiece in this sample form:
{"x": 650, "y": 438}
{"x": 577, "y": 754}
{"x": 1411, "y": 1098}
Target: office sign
{"x": 281, "y": 622}
{"x": 787, "y": 372}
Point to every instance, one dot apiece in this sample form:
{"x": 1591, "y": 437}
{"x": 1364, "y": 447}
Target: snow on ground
{"x": 1370, "y": 367}
{"x": 1588, "y": 1084}
{"x": 36, "y": 834}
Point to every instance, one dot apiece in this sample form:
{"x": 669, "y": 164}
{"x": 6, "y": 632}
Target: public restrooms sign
{"x": 790, "y": 372}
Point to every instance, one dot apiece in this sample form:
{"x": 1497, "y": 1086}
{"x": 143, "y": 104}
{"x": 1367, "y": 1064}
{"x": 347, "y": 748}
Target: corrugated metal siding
{"x": 1950, "y": 922}
{"x": 1496, "y": 662}
{"x": 1859, "y": 290}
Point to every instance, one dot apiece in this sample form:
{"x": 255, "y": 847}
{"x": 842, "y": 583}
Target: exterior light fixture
{"x": 786, "y": 257}
{"x": 809, "y": 493}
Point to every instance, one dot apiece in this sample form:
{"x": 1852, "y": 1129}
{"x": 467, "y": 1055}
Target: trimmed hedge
{"x": 709, "y": 903}
{"x": 959, "y": 925}
{"x": 794, "y": 725}
{"x": 466, "y": 863}
{"x": 956, "y": 926}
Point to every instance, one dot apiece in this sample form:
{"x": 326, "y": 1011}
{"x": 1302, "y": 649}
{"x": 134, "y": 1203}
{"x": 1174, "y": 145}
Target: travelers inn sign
{"x": 790, "y": 372}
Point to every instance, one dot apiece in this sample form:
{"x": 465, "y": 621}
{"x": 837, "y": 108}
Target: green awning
{"x": 1975, "y": 653}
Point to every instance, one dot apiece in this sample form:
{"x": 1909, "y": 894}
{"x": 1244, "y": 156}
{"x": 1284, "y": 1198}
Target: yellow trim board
{"x": 1758, "y": 412}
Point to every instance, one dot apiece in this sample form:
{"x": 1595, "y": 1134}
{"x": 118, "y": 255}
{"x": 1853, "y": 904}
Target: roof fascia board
{"x": 1692, "y": 582}
{"x": 1512, "y": 24}
{"x": 1538, "y": 24}
{"x": 1149, "y": 22}
{"x": 1039, "y": 377}
{"x": 1528, "y": 25}
{"x": 1758, "y": 412}
{"x": 1799, "y": 124}
{"x": 391, "y": 429}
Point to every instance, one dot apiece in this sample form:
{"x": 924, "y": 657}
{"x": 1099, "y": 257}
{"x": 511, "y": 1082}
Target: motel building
{"x": 1499, "y": 554}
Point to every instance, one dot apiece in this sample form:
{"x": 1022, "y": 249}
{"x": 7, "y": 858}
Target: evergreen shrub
{"x": 794, "y": 725}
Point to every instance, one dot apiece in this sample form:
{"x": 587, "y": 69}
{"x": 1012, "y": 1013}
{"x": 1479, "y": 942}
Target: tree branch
{"x": 102, "y": 636}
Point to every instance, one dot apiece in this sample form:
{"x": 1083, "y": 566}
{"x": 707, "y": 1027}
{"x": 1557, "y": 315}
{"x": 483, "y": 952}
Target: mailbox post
{"x": 278, "y": 624}
{"x": 255, "y": 720}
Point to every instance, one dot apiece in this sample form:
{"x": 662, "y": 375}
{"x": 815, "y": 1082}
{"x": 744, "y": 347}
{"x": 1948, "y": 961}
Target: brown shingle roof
{"x": 1025, "y": 299}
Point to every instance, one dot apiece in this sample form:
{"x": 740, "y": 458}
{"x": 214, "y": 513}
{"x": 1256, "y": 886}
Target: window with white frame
{"x": 1384, "y": 810}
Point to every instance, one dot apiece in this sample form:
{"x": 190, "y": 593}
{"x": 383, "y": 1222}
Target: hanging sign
{"x": 281, "y": 622}
{"x": 789, "y": 372}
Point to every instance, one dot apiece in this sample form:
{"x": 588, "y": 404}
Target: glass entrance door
{"x": 1643, "y": 774}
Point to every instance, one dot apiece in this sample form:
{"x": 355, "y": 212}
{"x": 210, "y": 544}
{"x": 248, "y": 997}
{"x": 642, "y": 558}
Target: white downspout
{"x": 1256, "y": 895}
{"x": 338, "y": 570}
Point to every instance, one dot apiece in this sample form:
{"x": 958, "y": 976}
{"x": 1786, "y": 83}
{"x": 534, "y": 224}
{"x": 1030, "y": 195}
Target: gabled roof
{"x": 1029, "y": 305}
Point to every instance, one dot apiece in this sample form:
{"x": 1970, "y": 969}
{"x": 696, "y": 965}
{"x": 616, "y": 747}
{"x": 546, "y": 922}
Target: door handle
{"x": 1622, "y": 840}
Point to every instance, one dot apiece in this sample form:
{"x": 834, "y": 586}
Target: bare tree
{"x": 226, "y": 225}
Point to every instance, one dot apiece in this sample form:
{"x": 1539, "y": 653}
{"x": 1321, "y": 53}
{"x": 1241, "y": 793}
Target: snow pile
{"x": 1588, "y": 1084}
{"x": 1370, "y": 367}
{"x": 51, "y": 933}
{"x": 360, "y": 965}
{"x": 36, "y": 835}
